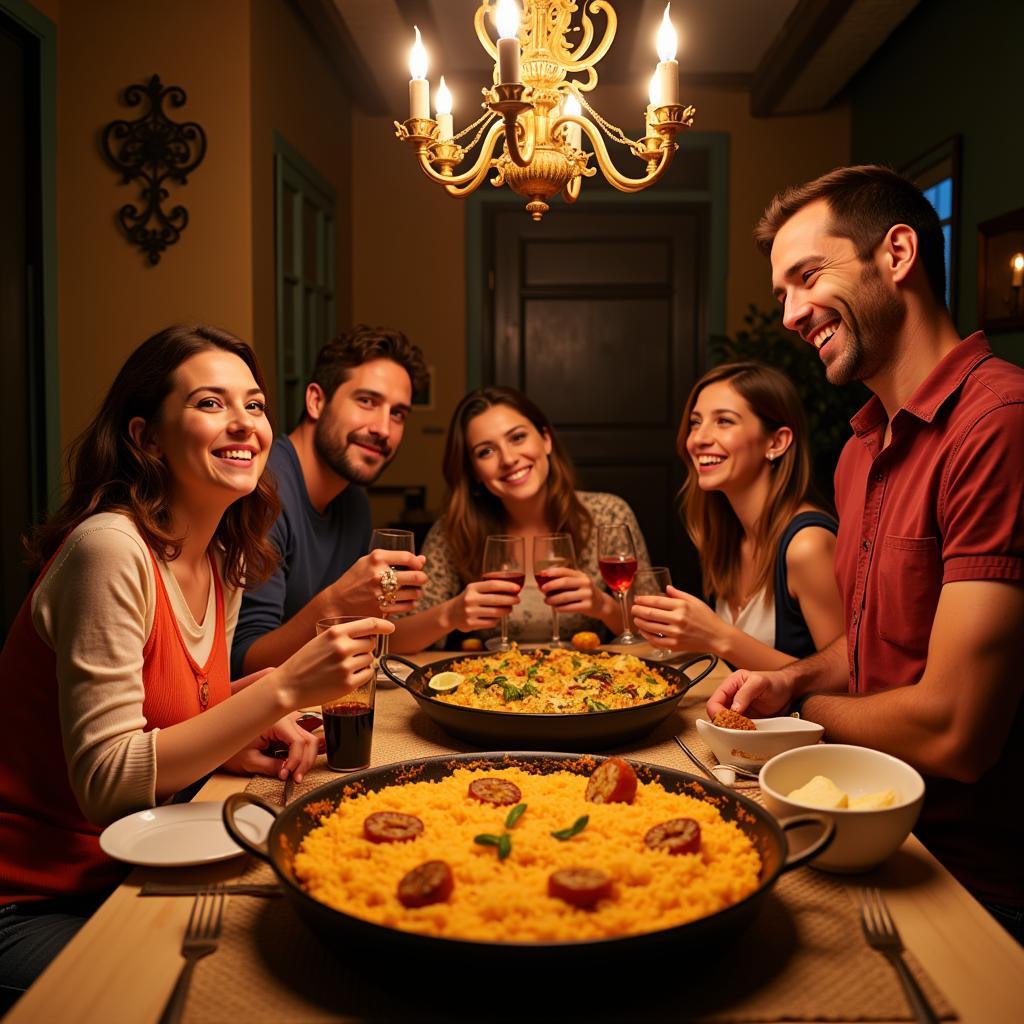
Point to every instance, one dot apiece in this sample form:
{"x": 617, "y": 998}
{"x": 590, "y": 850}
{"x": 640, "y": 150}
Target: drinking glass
{"x": 616, "y": 558}
{"x": 653, "y": 581}
{"x": 390, "y": 540}
{"x": 348, "y": 721}
{"x": 504, "y": 559}
{"x": 552, "y": 551}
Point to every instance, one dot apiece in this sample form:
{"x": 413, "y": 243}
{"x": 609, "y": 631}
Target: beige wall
{"x": 408, "y": 247}
{"x": 302, "y": 99}
{"x": 111, "y": 299}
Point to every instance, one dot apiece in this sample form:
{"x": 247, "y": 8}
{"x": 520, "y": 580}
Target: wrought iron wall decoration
{"x": 156, "y": 150}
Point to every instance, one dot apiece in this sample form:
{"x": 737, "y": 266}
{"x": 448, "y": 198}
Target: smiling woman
{"x": 508, "y": 473}
{"x": 114, "y": 676}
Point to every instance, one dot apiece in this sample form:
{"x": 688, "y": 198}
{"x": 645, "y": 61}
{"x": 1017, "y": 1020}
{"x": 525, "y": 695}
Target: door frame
{"x": 716, "y": 197}
{"x": 36, "y": 24}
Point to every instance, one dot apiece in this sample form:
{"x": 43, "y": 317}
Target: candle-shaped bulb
{"x": 507, "y": 17}
{"x": 443, "y": 99}
{"x": 571, "y": 107}
{"x": 667, "y": 41}
{"x": 652, "y": 90}
{"x": 1017, "y": 266}
{"x": 1018, "y": 261}
{"x": 418, "y": 58}
{"x": 573, "y": 132}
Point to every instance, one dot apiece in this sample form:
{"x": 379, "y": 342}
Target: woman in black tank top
{"x": 766, "y": 549}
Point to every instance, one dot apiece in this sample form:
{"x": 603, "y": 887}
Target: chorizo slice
{"x": 430, "y": 882}
{"x": 680, "y": 835}
{"x": 495, "y": 791}
{"x": 391, "y": 827}
{"x": 613, "y": 782}
{"x": 580, "y": 887}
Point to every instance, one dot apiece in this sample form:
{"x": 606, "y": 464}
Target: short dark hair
{"x": 362, "y": 344}
{"x": 865, "y": 201}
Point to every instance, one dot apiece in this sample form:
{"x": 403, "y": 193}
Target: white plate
{"x": 178, "y": 835}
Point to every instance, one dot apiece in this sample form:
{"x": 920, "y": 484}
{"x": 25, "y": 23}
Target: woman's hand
{"x": 255, "y": 756}
{"x": 358, "y": 589}
{"x": 678, "y": 622}
{"x": 482, "y": 604}
{"x": 572, "y": 591}
{"x": 332, "y": 664}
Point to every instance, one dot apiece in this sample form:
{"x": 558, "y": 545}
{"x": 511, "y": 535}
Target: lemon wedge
{"x": 445, "y": 682}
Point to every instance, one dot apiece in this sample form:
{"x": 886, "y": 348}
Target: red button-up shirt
{"x": 943, "y": 502}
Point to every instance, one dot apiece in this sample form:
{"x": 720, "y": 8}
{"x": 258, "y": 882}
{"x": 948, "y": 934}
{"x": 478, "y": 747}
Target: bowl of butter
{"x": 873, "y": 798}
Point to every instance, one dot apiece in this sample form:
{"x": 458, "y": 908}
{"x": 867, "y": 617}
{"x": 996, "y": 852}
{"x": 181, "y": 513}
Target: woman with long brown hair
{"x": 766, "y": 548}
{"x": 114, "y": 678}
{"x": 508, "y": 473}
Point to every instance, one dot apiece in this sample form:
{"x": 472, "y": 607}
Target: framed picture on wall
{"x": 937, "y": 174}
{"x": 1001, "y": 272}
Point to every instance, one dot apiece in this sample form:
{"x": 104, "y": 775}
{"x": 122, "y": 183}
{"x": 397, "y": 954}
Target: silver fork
{"x": 881, "y": 934}
{"x": 200, "y": 940}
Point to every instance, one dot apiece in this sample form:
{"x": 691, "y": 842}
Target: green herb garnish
{"x": 504, "y": 846}
{"x": 650, "y": 695}
{"x": 595, "y": 705}
{"x": 602, "y": 675}
{"x": 576, "y": 662}
{"x": 514, "y": 815}
{"x": 511, "y": 692}
{"x": 532, "y": 671}
{"x": 573, "y": 830}
{"x": 530, "y": 690}
{"x": 486, "y": 839}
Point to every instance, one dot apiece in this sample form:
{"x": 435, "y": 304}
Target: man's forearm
{"x": 277, "y": 646}
{"x": 824, "y": 672}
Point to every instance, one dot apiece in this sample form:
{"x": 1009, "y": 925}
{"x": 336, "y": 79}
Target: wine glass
{"x": 390, "y": 540}
{"x": 504, "y": 559}
{"x": 653, "y": 581}
{"x": 552, "y": 551}
{"x": 616, "y": 558}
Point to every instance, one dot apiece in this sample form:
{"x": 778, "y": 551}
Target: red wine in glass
{"x": 618, "y": 573}
{"x": 348, "y": 734}
{"x": 518, "y": 578}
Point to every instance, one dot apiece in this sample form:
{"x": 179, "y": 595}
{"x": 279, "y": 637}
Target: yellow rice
{"x": 507, "y": 900}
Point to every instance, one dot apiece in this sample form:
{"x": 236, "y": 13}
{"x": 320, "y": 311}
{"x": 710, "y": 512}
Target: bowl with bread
{"x": 873, "y": 798}
{"x": 750, "y": 742}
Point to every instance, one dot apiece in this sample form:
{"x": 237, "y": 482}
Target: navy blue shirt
{"x": 315, "y": 550}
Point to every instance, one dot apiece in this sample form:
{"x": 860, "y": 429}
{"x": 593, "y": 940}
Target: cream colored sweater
{"x": 94, "y": 608}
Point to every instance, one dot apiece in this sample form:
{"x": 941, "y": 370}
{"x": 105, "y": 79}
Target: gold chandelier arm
{"x": 475, "y": 174}
{"x": 485, "y": 8}
{"x": 571, "y": 192}
{"x": 576, "y": 61}
{"x": 512, "y": 143}
{"x": 604, "y": 161}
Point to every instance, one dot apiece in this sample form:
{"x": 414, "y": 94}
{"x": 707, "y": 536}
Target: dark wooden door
{"x": 599, "y": 317}
{"x": 22, "y": 441}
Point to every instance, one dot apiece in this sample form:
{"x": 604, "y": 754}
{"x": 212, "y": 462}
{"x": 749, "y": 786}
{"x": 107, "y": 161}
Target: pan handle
{"x": 828, "y": 833}
{"x": 234, "y": 803}
{"x": 712, "y": 660}
{"x": 383, "y": 662}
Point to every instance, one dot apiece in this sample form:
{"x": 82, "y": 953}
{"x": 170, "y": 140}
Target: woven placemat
{"x": 802, "y": 959}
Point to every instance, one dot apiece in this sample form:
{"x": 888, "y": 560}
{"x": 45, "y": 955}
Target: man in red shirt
{"x": 930, "y": 494}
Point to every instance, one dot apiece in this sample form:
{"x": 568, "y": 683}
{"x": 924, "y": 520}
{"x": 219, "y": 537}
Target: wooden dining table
{"x": 123, "y": 963}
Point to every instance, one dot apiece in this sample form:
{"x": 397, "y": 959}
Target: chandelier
{"x": 536, "y": 110}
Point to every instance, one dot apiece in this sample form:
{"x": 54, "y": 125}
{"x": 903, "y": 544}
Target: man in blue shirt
{"x": 357, "y": 402}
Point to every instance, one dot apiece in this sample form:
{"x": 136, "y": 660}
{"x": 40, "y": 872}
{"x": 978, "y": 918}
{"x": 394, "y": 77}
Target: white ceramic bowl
{"x": 751, "y": 749}
{"x": 863, "y": 838}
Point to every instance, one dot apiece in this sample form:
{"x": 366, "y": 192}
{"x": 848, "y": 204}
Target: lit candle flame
{"x": 418, "y": 58}
{"x": 443, "y": 99}
{"x": 1018, "y": 261}
{"x": 571, "y": 107}
{"x": 507, "y": 18}
{"x": 667, "y": 41}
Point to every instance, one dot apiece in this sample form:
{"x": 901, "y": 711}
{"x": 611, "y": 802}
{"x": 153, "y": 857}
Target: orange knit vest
{"x": 47, "y": 847}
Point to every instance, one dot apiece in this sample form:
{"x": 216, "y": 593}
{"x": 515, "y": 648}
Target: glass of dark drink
{"x": 616, "y": 559}
{"x": 390, "y": 540}
{"x": 504, "y": 559}
{"x": 552, "y": 551}
{"x": 654, "y": 581}
{"x": 348, "y": 721}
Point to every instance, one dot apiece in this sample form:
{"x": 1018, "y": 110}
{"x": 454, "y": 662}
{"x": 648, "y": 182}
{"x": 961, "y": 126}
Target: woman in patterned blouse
{"x": 508, "y": 473}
